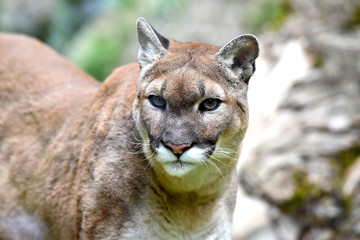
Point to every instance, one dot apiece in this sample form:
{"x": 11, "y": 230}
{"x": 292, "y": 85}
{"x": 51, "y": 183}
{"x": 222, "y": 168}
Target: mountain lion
{"x": 148, "y": 154}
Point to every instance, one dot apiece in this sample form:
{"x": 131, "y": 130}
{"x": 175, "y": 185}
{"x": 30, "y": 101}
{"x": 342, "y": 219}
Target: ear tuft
{"x": 152, "y": 44}
{"x": 238, "y": 56}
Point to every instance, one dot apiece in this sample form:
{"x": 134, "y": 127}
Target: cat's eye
{"x": 157, "y": 101}
{"x": 210, "y": 104}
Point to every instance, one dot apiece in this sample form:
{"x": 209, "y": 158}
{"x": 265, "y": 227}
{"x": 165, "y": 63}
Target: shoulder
{"x": 12, "y": 42}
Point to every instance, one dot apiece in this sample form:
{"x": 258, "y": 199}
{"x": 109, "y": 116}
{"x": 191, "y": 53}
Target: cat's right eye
{"x": 157, "y": 101}
{"x": 210, "y": 104}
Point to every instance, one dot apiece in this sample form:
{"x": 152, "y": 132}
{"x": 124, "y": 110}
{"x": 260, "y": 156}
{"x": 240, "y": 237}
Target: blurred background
{"x": 99, "y": 35}
{"x": 300, "y": 163}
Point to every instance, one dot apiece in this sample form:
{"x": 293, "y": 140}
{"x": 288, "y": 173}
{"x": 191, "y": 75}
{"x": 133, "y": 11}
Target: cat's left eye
{"x": 157, "y": 101}
{"x": 210, "y": 104}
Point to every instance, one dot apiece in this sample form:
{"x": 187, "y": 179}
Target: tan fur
{"x": 75, "y": 159}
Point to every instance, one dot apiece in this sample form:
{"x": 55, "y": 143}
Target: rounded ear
{"x": 238, "y": 56}
{"x": 152, "y": 44}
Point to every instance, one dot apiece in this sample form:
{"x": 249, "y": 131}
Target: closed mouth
{"x": 179, "y": 168}
{"x": 179, "y": 164}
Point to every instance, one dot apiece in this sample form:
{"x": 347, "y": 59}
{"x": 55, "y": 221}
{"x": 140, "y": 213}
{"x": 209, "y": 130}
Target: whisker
{"x": 204, "y": 163}
{"x": 212, "y": 157}
{"x": 216, "y": 167}
{"x": 137, "y": 152}
{"x": 226, "y": 150}
{"x": 150, "y": 160}
{"x": 139, "y": 143}
{"x": 149, "y": 163}
{"x": 224, "y": 155}
{"x": 139, "y": 140}
{"x": 227, "y": 157}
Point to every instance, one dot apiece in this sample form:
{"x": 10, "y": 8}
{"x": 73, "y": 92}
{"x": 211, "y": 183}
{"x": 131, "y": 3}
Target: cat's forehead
{"x": 192, "y": 47}
{"x": 186, "y": 84}
{"x": 188, "y": 72}
{"x": 185, "y": 56}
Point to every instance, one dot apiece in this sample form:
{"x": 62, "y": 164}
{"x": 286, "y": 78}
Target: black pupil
{"x": 157, "y": 101}
{"x": 210, "y": 103}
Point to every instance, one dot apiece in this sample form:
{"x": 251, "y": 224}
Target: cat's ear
{"x": 152, "y": 44}
{"x": 238, "y": 56}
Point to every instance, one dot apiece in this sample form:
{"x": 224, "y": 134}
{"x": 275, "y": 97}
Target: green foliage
{"x": 356, "y": 16}
{"x": 308, "y": 196}
{"x": 62, "y": 24}
{"x": 306, "y": 193}
{"x": 98, "y": 55}
{"x": 345, "y": 159}
{"x": 354, "y": 20}
{"x": 268, "y": 14}
{"x": 101, "y": 44}
{"x": 305, "y": 190}
{"x": 96, "y": 35}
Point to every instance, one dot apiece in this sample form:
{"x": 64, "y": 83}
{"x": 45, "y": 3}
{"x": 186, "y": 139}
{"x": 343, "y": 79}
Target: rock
{"x": 302, "y": 151}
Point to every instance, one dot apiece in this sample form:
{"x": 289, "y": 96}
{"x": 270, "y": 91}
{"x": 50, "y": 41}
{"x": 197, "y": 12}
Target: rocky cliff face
{"x": 302, "y": 154}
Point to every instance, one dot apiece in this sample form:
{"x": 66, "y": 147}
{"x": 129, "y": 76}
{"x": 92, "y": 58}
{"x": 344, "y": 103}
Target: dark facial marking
{"x": 201, "y": 87}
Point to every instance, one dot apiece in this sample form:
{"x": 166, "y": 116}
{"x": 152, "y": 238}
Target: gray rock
{"x": 305, "y": 162}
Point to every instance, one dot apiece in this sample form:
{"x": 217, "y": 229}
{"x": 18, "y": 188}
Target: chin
{"x": 179, "y": 166}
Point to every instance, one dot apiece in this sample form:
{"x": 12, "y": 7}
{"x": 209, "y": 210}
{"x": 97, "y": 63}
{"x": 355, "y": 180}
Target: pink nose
{"x": 177, "y": 149}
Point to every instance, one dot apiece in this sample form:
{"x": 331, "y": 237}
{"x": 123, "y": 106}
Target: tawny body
{"x": 78, "y": 158}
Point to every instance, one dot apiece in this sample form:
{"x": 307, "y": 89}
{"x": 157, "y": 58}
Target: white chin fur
{"x": 189, "y": 160}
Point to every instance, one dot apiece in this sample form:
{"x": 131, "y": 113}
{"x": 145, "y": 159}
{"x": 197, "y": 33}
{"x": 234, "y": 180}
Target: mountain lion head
{"x": 191, "y": 105}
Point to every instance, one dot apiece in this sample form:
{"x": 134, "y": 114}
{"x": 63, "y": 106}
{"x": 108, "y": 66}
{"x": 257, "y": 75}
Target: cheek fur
{"x": 214, "y": 123}
{"x": 151, "y": 119}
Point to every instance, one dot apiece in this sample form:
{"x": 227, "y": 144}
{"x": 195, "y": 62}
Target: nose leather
{"x": 177, "y": 149}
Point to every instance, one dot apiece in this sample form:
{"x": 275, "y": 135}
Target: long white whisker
{"x": 150, "y": 160}
{"x": 204, "y": 163}
{"x": 137, "y": 152}
{"x": 224, "y": 155}
{"x": 139, "y": 140}
{"x": 216, "y": 167}
{"x": 138, "y": 143}
{"x": 149, "y": 163}
{"x": 226, "y": 150}
{"x": 212, "y": 157}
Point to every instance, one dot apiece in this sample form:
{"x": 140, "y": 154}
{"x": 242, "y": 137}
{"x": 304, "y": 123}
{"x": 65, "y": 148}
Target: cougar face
{"x": 191, "y": 117}
{"x": 191, "y": 106}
